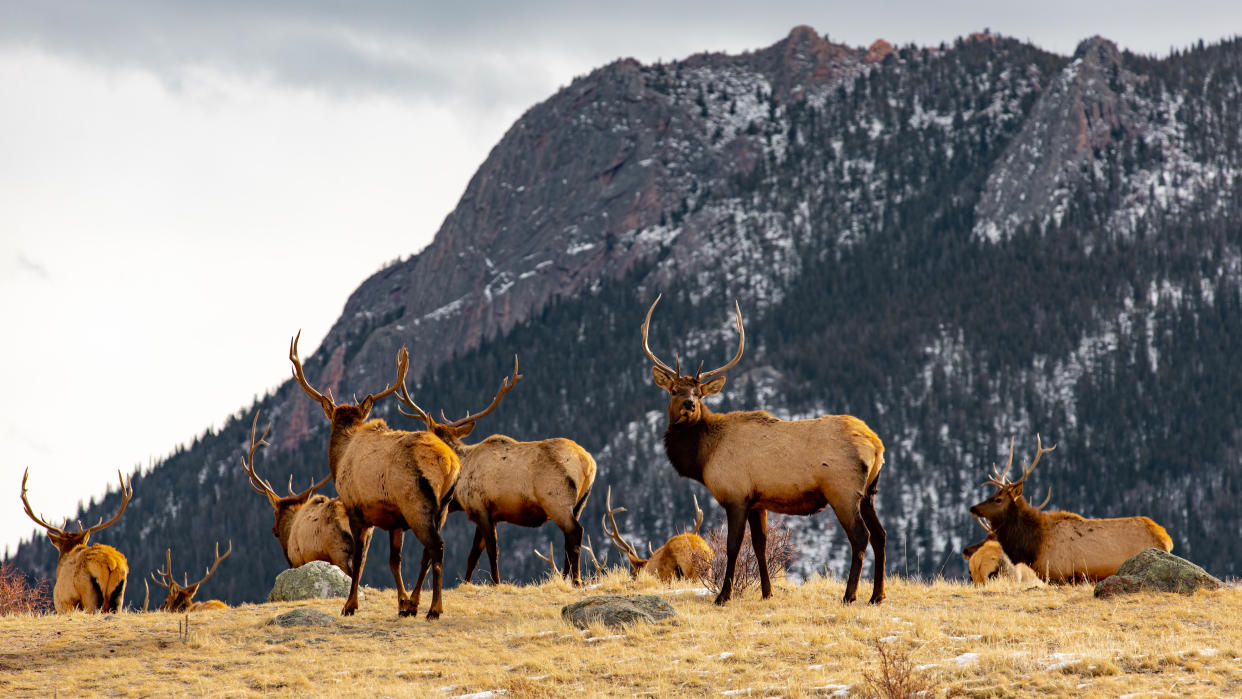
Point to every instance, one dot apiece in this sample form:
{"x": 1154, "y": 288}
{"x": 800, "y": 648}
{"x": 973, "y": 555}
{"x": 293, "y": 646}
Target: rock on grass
{"x": 1159, "y": 571}
{"x": 303, "y": 616}
{"x": 616, "y": 611}
{"x": 314, "y": 580}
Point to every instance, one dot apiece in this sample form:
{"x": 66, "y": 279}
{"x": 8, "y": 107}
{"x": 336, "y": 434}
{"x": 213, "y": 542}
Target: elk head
{"x": 64, "y": 540}
{"x": 283, "y": 506}
{"x": 1008, "y": 493}
{"x": 180, "y": 595}
{"x": 345, "y": 414}
{"x": 452, "y": 432}
{"x": 687, "y": 392}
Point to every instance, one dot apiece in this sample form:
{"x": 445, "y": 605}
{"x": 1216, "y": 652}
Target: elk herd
{"x": 751, "y": 462}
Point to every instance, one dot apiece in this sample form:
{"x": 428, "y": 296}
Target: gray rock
{"x": 303, "y": 616}
{"x": 314, "y": 580}
{"x": 1156, "y": 570}
{"x": 616, "y": 611}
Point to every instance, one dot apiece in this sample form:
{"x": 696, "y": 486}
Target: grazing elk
{"x": 1062, "y": 546}
{"x": 679, "y": 558}
{"x": 523, "y": 483}
{"x": 180, "y": 596}
{"x": 391, "y": 479}
{"x": 308, "y": 527}
{"x": 753, "y": 462}
{"x": 90, "y": 577}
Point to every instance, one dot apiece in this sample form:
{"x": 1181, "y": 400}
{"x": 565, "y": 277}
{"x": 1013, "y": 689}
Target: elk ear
{"x": 713, "y": 387}
{"x": 1016, "y": 491}
{"x": 464, "y": 430}
{"x": 662, "y": 378}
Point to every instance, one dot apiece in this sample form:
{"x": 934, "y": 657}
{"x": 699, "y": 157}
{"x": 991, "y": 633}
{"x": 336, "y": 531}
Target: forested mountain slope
{"x": 959, "y": 245}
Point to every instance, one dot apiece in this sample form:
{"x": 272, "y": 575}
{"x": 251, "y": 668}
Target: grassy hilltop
{"x": 953, "y": 639}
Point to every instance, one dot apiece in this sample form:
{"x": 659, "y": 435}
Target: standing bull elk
{"x": 391, "y": 479}
{"x": 753, "y": 462}
{"x": 1062, "y": 546}
{"x": 90, "y": 577}
{"x": 181, "y": 596}
{"x": 523, "y": 483}
{"x": 309, "y": 527}
{"x": 680, "y": 557}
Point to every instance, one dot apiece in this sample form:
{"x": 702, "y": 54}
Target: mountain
{"x": 959, "y": 244}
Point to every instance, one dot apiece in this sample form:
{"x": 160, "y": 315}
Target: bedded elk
{"x": 753, "y": 462}
{"x": 680, "y": 557}
{"x": 181, "y": 596}
{"x": 523, "y": 483}
{"x": 90, "y": 577}
{"x": 309, "y": 527}
{"x": 391, "y": 479}
{"x": 1062, "y": 546}
{"x": 987, "y": 561}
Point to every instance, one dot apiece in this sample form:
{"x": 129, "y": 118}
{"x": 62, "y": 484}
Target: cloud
{"x": 27, "y": 265}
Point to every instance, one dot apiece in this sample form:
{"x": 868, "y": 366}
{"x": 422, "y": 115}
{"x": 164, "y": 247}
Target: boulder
{"x": 1159, "y": 571}
{"x": 617, "y": 611}
{"x": 303, "y": 616}
{"x": 312, "y": 581}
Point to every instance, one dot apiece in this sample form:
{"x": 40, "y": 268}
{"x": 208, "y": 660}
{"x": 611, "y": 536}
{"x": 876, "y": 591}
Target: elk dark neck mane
{"x": 1021, "y": 532}
{"x": 687, "y": 445}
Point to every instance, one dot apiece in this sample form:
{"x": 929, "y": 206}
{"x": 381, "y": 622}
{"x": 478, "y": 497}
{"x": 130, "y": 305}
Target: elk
{"x": 679, "y": 558}
{"x": 987, "y": 560}
{"x": 1061, "y": 546}
{"x": 180, "y": 596}
{"x": 90, "y": 577}
{"x": 753, "y": 462}
{"x": 391, "y": 479}
{"x": 309, "y": 527}
{"x": 523, "y": 483}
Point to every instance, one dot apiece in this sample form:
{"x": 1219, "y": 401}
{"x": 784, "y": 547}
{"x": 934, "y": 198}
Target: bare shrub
{"x": 781, "y": 552}
{"x": 19, "y": 596}
{"x": 897, "y": 677}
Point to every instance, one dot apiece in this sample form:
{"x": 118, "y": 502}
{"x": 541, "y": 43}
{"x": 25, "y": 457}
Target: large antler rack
{"x": 166, "y": 579}
{"x": 326, "y": 402}
{"x": 1000, "y": 479}
{"x": 617, "y": 540}
{"x": 127, "y": 493}
{"x": 260, "y": 485}
{"x": 699, "y": 375}
{"x": 506, "y": 385}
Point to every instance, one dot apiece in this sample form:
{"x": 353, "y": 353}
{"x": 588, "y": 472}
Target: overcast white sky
{"x": 185, "y": 184}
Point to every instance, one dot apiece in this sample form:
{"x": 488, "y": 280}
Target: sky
{"x": 184, "y": 185}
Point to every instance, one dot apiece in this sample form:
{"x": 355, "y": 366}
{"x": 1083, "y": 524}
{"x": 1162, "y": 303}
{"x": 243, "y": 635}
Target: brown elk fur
{"x": 308, "y": 527}
{"x": 523, "y": 483}
{"x": 988, "y": 562}
{"x": 391, "y": 479}
{"x": 89, "y": 577}
{"x": 1063, "y": 546}
{"x": 681, "y": 557}
{"x": 753, "y": 462}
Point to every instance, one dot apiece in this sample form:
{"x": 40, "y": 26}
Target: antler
{"x": 166, "y": 579}
{"x": 30, "y": 512}
{"x": 127, "y": 493}
{"x": 1047, "y": 498}
{"x": 403, "y": 398}
{"x": 324, "y": 401}
{"x": 999, "y": 478}
{"x": 599, "y": 566}
{"x": 741, "y": 344}
{"x": 1039, "y": 451}
{"x": 259, "y": 485}
{"x": 550, "y": 559}
{"x": 698, "y": 515}
{"x": 212, "y": 570}
{"x": 647, "y": 350}
{"x": 506, "y": 385}
{"x": 403, "y": 366}
{"x": 621, "y": 544}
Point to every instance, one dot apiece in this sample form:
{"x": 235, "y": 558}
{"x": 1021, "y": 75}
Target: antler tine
{"x": 1047, "y": 499}
{"x": 647, "y": 350}
{"x": 1002, "y": 476}
{"x": 599, "y": 567}
{"x": 403, "y": 398}
{"x": 1039, "y": 451}
{"x": 212, "y": 570}
{"x": 127, "y": 493}
{"x": 741, "y": 345}
{"x": 550, "y": 559}
{"x": 30, "y": 512}
{"x": 168, "y": 580}
{"x": 259, "y": 485}
{"x": 506, "y": 385}
{"x": 615, "y": 534}
{"x": 326, "y": 402}
{"x": 985, "y": 523}
{"x": 309, "y": 491}
{"x": 403, "y": 366}
{"x": 698, "y": 515}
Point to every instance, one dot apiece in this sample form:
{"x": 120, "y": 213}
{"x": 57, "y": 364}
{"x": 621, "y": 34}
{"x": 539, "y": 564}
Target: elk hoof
{"x": 721, "y": 599}
{"x": 407, "y": 612}
{"x": 876, "y": 599}
{"x": 849, "y": 599}
{"x": 348, "y": 611}
{"x": 432, "y": 615}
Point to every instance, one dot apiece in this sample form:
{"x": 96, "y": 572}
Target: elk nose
{"x": 687, "y": 404}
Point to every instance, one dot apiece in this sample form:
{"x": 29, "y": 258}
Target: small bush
{"x": 896, "y": 678}
{"x": 19, "y": 596}
{"x": 780, "y": 548}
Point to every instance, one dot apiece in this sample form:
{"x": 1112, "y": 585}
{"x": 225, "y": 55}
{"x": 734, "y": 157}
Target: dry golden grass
{"x": 960, "y": 640}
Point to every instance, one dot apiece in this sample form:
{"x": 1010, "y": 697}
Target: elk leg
{"x": 436, "y": 549}
{"x": 489, "y": 541}
{"x": 878, "y": 536}
{"x": 856, "y": 529}
{"x": 423, "y": 565}
{"x": 476, "y": 550}
{"x": 736, "y": 516}
{"x": 759, "y": 540}
{"x": 405, "y": 605}
{"x": 362, "y": 537}
{"x": 572, "y": 530}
